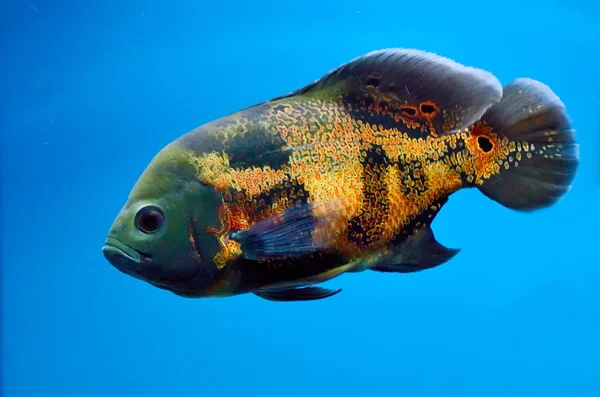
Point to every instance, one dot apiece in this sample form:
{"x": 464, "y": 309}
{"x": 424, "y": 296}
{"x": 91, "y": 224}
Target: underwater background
{"x": 90, "y": 90}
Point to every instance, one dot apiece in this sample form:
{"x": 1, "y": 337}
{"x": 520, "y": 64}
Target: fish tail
{"x": 535, "y": 154}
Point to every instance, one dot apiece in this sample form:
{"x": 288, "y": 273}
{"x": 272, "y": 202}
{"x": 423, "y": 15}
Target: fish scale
{"x": 343, "y": 175}
{"x": 341, "y": 146}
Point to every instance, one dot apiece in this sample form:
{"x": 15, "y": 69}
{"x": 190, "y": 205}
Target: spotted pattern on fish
{"x": 375, "y": 147}
{"x": 388, "y": 173}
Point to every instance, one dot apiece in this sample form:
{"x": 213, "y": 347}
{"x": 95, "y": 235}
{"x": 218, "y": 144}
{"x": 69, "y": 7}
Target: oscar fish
{"x": 341, "y": 176}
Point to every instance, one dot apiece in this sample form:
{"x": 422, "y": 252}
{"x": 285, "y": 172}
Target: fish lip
{"x": 114, "y": 246}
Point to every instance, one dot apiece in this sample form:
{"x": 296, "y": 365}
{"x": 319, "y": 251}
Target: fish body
{"x": 343, "y": 175}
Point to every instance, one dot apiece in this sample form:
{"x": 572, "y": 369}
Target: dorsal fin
{"x": 450, "y": 95}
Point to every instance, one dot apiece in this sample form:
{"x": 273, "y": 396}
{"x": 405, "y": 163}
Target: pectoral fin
{"x": 289, "y": 234}
{"x": 298, "y": 294}
{"x": 418, "y": 252}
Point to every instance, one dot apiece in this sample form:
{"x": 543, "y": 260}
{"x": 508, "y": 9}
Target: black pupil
{"x": 150, "y": 221}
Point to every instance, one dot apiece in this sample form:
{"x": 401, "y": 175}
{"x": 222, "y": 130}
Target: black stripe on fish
{"x": 243, "y": 137}
{"x": 258, "y": 147}
{"x": 366, "y": 228}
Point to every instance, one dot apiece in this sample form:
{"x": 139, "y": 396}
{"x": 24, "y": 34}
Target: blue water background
{"x": 91, "y": 90}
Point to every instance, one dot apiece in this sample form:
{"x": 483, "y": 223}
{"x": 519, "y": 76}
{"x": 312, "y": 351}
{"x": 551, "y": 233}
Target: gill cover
{"x": 160, "y": 235}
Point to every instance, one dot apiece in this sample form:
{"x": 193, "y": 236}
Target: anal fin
{"x": 297, "y": 294}
{"x": 419, "y": 251}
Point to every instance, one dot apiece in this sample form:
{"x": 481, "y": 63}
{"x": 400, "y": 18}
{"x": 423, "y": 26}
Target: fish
{"x": 341, "y": 176}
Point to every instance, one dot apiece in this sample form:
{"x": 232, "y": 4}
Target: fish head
{"x": 161, "y": 235}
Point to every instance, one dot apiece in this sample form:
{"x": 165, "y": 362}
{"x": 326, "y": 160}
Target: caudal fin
{"x": 542, "y": 154}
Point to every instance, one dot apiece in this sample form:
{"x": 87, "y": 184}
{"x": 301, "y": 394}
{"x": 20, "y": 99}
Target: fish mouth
{"x": 113, "y": 247}
{"x": 123, "y": 257}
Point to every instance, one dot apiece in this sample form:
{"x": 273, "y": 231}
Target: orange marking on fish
{"x": 486, "y": 161}
{"x": 192, "y": 239}
{"x": 326, "y": 165}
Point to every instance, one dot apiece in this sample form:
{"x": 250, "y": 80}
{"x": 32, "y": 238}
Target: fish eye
{"x": 149, "y": 219}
